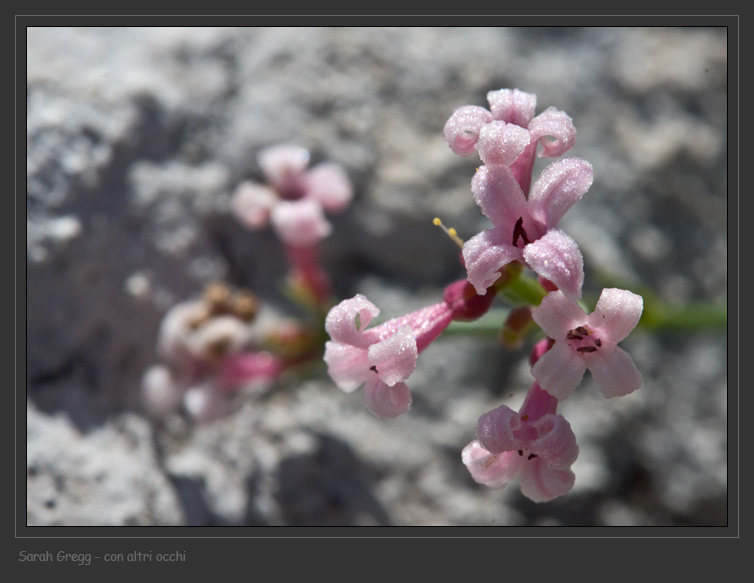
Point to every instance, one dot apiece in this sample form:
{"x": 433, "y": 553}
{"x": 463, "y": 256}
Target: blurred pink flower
{"x": 295, "y": 197}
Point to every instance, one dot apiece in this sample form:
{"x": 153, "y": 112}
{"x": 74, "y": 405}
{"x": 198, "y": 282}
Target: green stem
{"x": 693, "y": 316}
{"x": 488, "y": 325}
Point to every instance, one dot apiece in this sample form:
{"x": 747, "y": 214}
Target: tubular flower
{"x": 526, "y": 230}
{"x": 382, "y": 357}
{"x": 509, "y": 133}
{"x": 588, "y": 342}
{"x": 209, "y": 350}
{"x": 295, "y": 197}
{"x": 536, "y": 444}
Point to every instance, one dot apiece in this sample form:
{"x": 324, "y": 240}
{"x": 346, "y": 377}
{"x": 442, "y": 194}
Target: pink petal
{"x": 395, "y": 357}
{"x": 541, "y": 483}
{"x": 385, "y": 401}
{"x": 512, "y": 106}
{"x": 617, "y": 313}
{"x": 557, "y": 257}
{"x": 462, "y": 128}
{"x": 556, "y": 443}
{"x": 347, "y": 321}
{"x": 559, "y": 370}
{"x": 558, "y": 314}
{"x": 501, "y": 143}
{"x": 492, "y": 470}
{"x": 301, "y": 222}
{"x": 614, "y": 371}
{"x": 484, "y": 254}
{"x": 280, "y": 163}
{"x": 248, "y": 367}
{"x": 329, "y": 185}
{"x": 561, "y": 185}
{"x": 494, "y": 430}
{"x": 557, "y": 124}
{"x": 348, "y": 366}
{"x": 500, "y": 197}
{"x": 252, "y": 203}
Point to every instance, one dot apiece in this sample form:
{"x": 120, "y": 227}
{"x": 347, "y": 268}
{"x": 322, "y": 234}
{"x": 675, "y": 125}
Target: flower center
{"x": 582, "y": 340}
{"x": 520, "y": 233}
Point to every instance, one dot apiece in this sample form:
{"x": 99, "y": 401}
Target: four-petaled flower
{"x": 295, "y": 198}
{"x": 526, "y": 229}
{"x": 588, "y": 342}
{"x": 508, "y": 133}
{"x": 536, "y": 444}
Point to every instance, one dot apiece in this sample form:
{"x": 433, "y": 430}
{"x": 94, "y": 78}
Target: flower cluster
{"x": 211, "y": 348}
{"x": 536, "y": 444}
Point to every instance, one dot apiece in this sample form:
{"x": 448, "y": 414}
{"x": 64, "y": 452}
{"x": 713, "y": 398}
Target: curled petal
{"x": 347, "y": 321}
{"x": 617, "y": 313}
{"x": 301, "y": 222}
{"x": 561, "y": 185}
{"x": 614, "y": 372}
{"x": 252, "y": 204}
{"x": 559, "y": 370}
{"x": 484, "y": 254}
{"x": 557, "y": 257}
{"x": 329, "y": 185}
{"x": 541, "y": 483}
{"x": 492, "y": 470}
{"x": 556, "y": 443}
{"x": 555, "y": 124}
{"x": 348, "y": 366}
{"x": 280, "y": 163}
{"x": 385, "y": 401}
{"x": 395, "y": 357}
{"x": 557, "y": 314}
{"x": 501, "y": 143}
{"x": 494, "y": 430}
{"x": 512, "y": 106}
{"x": 462, "y": 128}
{"x": 499, "y": 196}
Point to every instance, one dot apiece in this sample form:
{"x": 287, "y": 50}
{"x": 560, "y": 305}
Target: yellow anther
{"x": 449, "y": 232}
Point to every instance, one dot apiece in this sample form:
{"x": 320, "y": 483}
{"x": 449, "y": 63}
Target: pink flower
{"x": 537, "y": 445}
{"x": 382, "y": 357}
{"x": 588, "y": 342}
{"x": 508, "y": 133}
{"x": 525, "y": 229}
{"x": 295, "y": 198}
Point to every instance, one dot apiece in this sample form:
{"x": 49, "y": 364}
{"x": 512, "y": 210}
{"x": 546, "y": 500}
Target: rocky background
{"x": 137, "y": 136}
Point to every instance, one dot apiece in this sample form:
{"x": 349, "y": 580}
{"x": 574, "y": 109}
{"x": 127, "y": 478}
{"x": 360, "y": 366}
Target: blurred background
{"x": 136, "y": 138}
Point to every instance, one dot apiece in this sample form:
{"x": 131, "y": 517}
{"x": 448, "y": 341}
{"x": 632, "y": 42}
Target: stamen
{"x": 451, "y": 232}
{"x": 519, "y": 231}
